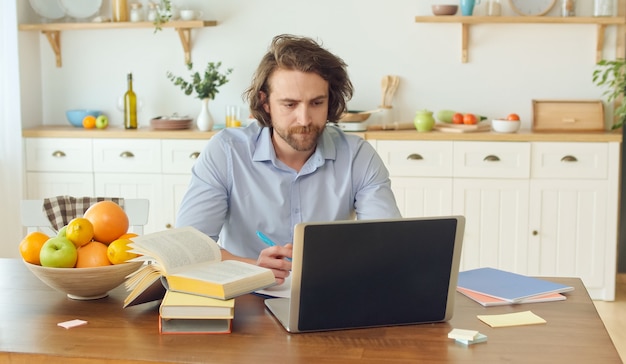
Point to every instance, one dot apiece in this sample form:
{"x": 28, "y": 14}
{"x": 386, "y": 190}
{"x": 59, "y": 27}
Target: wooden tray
{"x": 462, "y": 128}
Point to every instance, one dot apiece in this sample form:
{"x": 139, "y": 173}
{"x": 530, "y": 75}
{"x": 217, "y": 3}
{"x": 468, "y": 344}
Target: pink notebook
{"x": 492, "y": 301}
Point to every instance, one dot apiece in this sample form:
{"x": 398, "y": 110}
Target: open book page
{"x": 280, "y": 290}
{"x": 222, "y": 273}
{"x": 176, "y": 248}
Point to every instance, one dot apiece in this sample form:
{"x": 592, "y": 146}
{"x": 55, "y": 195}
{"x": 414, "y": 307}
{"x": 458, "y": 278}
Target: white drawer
{"x": 178, "y": 156}
{"x": 58, "y": 155}
{"x": 492, "y": 159}
{"x": 416, "y": 158}
{"x": 570, "y": 160}
{"x": 127, "y": 155}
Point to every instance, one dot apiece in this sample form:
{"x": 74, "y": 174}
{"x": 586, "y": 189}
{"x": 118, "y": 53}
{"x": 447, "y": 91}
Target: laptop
{"x": 370, "y": 273}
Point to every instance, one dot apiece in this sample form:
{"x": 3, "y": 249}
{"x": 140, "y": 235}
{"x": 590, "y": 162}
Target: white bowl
{"x": 505, "y": 126}
{"x": 84, "y": 283}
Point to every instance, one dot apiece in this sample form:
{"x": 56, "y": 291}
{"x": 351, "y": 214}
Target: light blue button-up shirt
{"x": 238, "y": 186}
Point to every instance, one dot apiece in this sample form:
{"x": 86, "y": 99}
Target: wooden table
{"x": 30, "y": 311}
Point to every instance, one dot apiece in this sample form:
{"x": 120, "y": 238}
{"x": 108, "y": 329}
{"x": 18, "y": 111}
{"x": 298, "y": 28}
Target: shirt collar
{"x": 264, "y": 150}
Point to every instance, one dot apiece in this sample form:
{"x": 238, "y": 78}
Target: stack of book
{"x": 184, "y": 269}
{"x": 494, "y": 287}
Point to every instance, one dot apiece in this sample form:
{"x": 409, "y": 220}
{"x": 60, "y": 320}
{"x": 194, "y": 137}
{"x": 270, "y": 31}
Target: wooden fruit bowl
{"x": 84, "y": 283}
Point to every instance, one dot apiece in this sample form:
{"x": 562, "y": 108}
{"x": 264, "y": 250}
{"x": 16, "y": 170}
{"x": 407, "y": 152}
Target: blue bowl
{"x": 75, "y": 117}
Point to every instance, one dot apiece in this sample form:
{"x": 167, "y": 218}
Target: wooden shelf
{"x": 465, "y": 21}
{"x": 52, "y": 31}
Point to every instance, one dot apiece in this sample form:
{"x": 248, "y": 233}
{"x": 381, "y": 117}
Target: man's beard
{"x": 293, "y": 136}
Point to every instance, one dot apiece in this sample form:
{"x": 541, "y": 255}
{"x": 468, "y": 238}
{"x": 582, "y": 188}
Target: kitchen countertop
{"x": 62, "y": 131}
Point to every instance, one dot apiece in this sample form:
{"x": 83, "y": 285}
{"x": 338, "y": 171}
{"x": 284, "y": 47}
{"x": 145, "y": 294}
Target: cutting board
{"x": 462, "y": 128}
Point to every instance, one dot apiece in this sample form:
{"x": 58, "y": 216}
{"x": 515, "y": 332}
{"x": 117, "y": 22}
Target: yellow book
{"x": 187, "y": 260}
{"x": 178, "y": 305}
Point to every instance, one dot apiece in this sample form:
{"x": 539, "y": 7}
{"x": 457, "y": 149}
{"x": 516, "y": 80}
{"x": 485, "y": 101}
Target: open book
{"x": 190, "y": 262}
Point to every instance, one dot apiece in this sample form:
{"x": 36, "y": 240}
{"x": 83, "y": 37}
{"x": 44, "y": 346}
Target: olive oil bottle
{"x": 130, "y": 105}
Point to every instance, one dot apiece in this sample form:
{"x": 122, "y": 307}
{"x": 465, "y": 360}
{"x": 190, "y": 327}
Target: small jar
{"x": 494, "y": 7}
{"x": 603, "y": 7}
{"x": 424, "y": 120}
{"x": 152, "y": 11}
{"x": 568, "y": 8}
{"x": 386, "y": 115}
{"x": 136, "y": 12}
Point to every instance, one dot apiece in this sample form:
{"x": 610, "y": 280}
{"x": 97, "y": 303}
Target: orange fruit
{"x": 457, "y": 118}
{"x": 79, "y": 231}
{"x": 470, "y": 119}
{"x": 118, "y": 253}
{"x": 513, "y": 117}
{"x": 108, "y": 219}
{"x": 89, "y": 122}
{"x": 31, "y": 245}
{"x": 93, "y": 254}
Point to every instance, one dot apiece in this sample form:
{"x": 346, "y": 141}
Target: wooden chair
{"x": 34, "y": 219}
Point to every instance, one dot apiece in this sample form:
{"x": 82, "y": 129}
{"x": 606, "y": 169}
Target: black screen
{"x": 376, "y": 274}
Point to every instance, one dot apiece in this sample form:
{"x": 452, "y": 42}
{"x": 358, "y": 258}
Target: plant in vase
{"x": 206, "y": 86}
{"x": 163, "y": 14}
{"x": 612, "y": 75}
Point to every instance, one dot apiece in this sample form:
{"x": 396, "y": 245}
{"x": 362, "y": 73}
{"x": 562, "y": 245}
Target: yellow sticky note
{"x": 512, "y": 319}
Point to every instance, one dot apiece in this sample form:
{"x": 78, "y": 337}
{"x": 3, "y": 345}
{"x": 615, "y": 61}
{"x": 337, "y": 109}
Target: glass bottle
{"x": 494, "y": 8}
{"x": 568, "y": 8}
{"x": 120, "y": 10}
{"x": 130, "y": 106}
{"x": 603, "y": 8}
{"x": 136, "y": 12}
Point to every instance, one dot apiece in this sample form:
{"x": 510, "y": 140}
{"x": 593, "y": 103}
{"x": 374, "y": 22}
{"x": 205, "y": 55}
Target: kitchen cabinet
{"x": 52, "y": 31}
{"x": 536, "y": 208}
{"x": 466, "y": 21}
{"x": 421, "y": 174}
{"x": 178, "y": 156}
{"x": 58, "y": 167}
{"x": 155, "y": 169}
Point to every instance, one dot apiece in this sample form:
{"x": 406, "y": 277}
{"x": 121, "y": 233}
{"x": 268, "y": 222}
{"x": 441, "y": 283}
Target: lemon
{"x": 79, "y": 231}
{"x": 118, "y": 253}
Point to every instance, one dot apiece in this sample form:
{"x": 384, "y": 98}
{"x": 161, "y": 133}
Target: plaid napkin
{"x": 62, "y": 209}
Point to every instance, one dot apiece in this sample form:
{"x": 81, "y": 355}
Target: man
{"x": 291, "y": 167}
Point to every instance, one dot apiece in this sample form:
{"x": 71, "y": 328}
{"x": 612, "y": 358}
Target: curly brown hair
{"x": 306, "y": 55}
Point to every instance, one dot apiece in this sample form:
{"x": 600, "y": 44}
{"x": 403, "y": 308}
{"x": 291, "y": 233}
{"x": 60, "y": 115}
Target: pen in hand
{"x": 267, "y": 240}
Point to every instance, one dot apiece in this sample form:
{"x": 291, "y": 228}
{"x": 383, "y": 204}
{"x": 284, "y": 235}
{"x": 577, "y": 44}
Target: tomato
{"x": 457, "y": 118}
{"x": 513, "y": 117}
{"x": 470, "y": 119}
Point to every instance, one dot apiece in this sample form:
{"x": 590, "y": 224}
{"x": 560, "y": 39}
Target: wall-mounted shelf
{"x": 466, "y": 21}
{"x": 52, "y": 31}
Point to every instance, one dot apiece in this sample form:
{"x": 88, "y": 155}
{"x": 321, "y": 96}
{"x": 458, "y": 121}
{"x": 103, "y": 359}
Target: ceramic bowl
{"x": 84, "y": 283}
{"x": 505, "y": 126}
{"x": 355, "y": 116}
{"x": 76, "y": 116}
{"x": 445, "y": 9}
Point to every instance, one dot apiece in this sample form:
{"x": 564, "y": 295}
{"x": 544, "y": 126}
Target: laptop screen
{"x": 378, "y": 273}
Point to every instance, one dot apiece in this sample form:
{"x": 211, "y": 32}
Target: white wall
{"x": 509, "y": 64}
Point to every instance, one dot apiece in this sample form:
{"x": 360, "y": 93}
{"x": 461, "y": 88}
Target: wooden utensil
{"x": 384, "y": 84}
{"x": 394, "y": 81}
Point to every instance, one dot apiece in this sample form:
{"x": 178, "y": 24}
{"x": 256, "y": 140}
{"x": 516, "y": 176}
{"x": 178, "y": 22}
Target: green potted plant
{"x": 163, "y": 14}
{"x": 205, "y": 86}
{"x": 612, "y": 75}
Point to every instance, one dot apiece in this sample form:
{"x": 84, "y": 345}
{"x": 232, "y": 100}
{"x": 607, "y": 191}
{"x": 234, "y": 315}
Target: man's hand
{"x": 275, "y": 258}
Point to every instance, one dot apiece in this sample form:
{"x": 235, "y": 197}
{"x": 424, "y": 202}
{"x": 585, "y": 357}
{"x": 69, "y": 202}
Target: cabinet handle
{"x": 535, "y": 232}
{"x": 414, "y": 157}
{"x": 194, "y": 155}
{"x": 569, "y": 158}
{"x": 168, "y": 226}
{"x": 491, "y": 158}
{"x": 127, "y": 155}
{"x": 58, "y": 154}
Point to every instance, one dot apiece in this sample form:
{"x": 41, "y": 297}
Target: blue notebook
{"x": 507, "y": 286}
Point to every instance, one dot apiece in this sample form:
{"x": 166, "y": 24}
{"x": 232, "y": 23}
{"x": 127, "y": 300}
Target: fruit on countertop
{"x": 512, "y": 117}
{"x": 89, "y": 122}
{"x": 447, "y": 116}
{"x": 102, "y": 121}
{"x": 470, "y": 119}
{"x": 457, "y": 118}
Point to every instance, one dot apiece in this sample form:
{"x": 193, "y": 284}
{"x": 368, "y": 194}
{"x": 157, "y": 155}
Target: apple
{"x": 102, "y": 121}
{"x": 58, "y": 252}
{"x": 61, "y": 233}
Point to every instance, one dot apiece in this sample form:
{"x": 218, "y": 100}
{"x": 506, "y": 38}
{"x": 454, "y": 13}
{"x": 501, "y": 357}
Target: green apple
{"x": 61, "y": 233}
{"x": 58, "y": 252}
{"x": 102, "y": 121}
